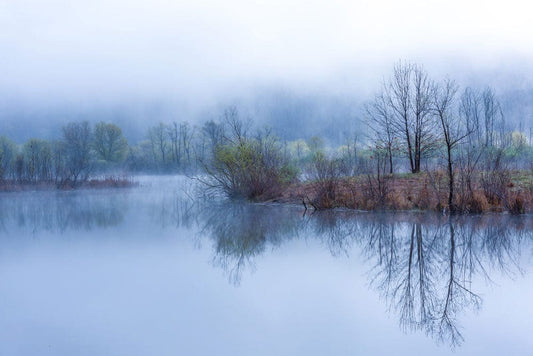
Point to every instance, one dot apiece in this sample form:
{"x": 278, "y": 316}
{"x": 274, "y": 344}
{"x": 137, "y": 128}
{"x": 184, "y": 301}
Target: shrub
{"x": 325, "y": 176}
{"x": 252, "y": 168}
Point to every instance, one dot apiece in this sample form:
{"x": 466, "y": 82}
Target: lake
{"x": 157, "y": 270}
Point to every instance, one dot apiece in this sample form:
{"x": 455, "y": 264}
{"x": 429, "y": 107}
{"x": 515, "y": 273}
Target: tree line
{"x": 459, "y": 152}
{"x": 83, "y": 150}
{"x": 458, "y": 138}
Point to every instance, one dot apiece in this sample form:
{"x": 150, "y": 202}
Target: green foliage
{"x": 109, "y": 143}
{"x": 299, "y": 150}
{"x": 252, "y": 168}
{"x": 315, "y": 144}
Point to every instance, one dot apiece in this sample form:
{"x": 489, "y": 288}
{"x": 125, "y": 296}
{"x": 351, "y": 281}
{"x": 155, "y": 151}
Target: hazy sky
{"x": 130, "y": 48}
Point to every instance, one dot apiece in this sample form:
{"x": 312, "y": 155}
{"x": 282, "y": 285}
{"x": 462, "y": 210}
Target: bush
{"x": 252, "y": 168}
{"x": 517, "y": 205}
{"x": 325, "y": 174}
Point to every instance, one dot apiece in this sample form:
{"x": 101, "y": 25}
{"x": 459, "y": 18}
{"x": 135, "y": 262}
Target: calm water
{"x": 148, "y": 271}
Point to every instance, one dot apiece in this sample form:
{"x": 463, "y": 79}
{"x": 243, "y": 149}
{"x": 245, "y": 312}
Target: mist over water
{"x": 168, "y": 268}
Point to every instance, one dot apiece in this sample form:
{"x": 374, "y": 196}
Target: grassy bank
{"x": 423, "y": 191}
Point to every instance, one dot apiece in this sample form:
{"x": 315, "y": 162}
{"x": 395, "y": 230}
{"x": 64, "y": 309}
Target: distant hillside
{"x": 290, "y": 113}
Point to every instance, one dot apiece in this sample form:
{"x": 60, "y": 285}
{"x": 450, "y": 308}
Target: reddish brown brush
{"x": 420, "y": 192}
{"x": 109, "y": 182}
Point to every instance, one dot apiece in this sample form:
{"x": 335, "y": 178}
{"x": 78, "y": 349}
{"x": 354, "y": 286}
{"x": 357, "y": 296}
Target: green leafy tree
{"x": 109, "y": 142}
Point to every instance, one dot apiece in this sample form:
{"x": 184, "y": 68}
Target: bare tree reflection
{"x": 423, "y": 265}
{"x": 458, "y": 293}
{"x": 425, "y": 270}
{"x": 337, "y": 230}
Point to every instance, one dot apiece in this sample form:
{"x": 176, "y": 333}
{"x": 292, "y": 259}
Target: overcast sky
{"x": 107, "y": 49}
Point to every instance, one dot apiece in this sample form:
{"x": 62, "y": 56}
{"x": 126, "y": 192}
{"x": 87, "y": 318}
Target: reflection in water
{"x": 422, "y": 264}
{"x": 425, "y": 266}
{"x": 242, "y": 232}
{"x": 60, "y": 212}
{"x": 425, "y": 272}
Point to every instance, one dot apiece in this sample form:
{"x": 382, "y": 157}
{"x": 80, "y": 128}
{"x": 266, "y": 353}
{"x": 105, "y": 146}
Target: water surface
{"x": 150, "y": 271}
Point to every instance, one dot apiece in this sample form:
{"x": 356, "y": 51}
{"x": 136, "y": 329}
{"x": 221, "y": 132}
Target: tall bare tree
{"x": 173, "y": 135}
{"x": 8, "y": 153}
{"x": 407, "y": 98}
{"x": 158, "y": 141}
{"x": 470, "y": 111}
{"x": 380, "y": 122}
{"x": 423, "y": 130}
{"x": 77, "y": 138}
{"x": 452, "y": 129}
{"x": 186, "y": 136}
{"x": 398, "y": 96}
{"x": 490, "y": 111}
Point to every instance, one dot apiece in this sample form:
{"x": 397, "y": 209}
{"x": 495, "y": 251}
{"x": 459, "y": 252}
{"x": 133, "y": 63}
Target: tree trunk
{"x": 451, "y": 206}
{"x": 390, "y": 159}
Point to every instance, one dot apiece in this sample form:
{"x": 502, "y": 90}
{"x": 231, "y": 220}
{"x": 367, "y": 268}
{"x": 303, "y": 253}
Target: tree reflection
{"x": 336, "y": 229}
{"x": 60, "y": 212}
{"x": 243, "y": 232}
{"x": 423, "y": 265}
{"x": 425, "y": 270}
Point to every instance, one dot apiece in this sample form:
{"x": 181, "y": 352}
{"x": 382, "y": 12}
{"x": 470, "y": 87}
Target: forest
{"x": 428, "y": 144}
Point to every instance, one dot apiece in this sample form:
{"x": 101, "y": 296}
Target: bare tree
{"x": 237, "y": 128}
{"x": 490, "y": 111}
{"x": 180, "y": 136}
{"x": 398, "y": 94}
{"x": 159, "y": 143}
{"x": 77, "y": 137}
{"x": 380, "y": 122}
{"x": 406, "y": 99}
{"x": 350, "y": 153}
{"x": 424, "y": 140}
{"x": 185, "y": 142}
{"x": 452, "y": 128}
{"x": 37, "y": 160}
{"x": 470, "y": 112}
{"x": 8, "y": 152}
{"x": 172, "y": 132}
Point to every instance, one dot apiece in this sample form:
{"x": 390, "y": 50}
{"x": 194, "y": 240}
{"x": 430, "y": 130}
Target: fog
{"x": 311, "y": 62}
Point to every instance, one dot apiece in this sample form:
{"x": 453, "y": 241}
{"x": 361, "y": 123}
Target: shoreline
{"x": 95, "y": 183}
{"x": 397, "y": 193}
{"x": 421, "y": 192}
